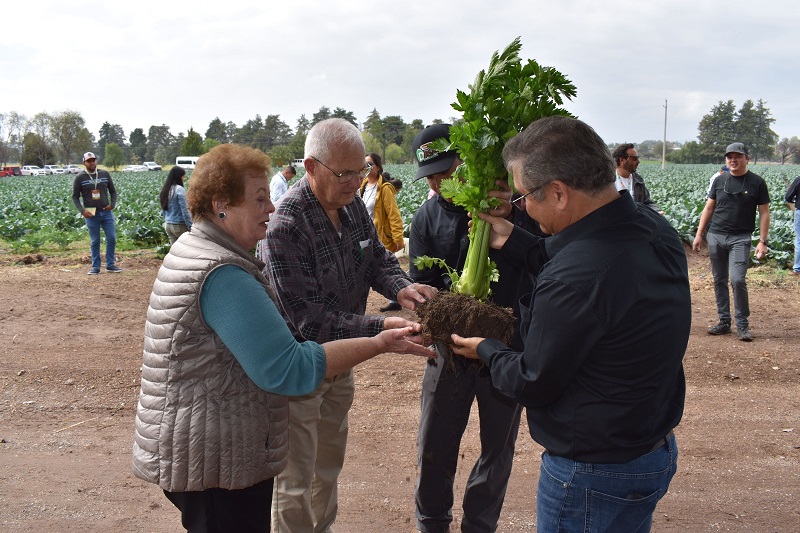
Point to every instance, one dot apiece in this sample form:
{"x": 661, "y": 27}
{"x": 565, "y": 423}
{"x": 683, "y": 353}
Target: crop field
{"x": 37, "y": 212}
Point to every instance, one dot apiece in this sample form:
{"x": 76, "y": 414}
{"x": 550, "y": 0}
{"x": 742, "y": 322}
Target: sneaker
{"x": 391, "y": 306}
{"x": 723, "y": 328}
{"x": 744, "y": 334}
{"x": 94, "y": 272}
{"x": 113, "y": 269}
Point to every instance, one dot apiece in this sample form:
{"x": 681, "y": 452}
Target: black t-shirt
{"x": 738, "y": 198}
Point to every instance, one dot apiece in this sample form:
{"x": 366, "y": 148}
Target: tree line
{"x": 62, "y": 137}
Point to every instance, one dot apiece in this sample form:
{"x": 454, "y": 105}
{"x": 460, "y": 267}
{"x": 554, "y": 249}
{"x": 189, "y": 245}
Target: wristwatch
{"x": 764, "y": 242}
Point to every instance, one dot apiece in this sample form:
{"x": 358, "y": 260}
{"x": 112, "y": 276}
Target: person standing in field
{"x": 729, "y": 216}
{"x": 451, "y": 385}
{"x": 723, "y": 169}
{"x": 793, "y": 202}
{"x": 94, "y": 195}
{"x": 379, "y": 197}
{"x": 323, "y": 256}
{"x": 279, "y": 184}
{"x": 601, "y": 397}
{"x": 627, "y": 159}
{"x": 177, "y": 218}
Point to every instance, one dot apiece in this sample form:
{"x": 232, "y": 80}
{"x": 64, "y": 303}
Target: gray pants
{"x": 730, "y": 256}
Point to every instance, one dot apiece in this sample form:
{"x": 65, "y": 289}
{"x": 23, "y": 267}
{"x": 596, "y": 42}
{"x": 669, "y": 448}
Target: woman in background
{"x": 177, "y": 219}
{"x": 379, "y": 197}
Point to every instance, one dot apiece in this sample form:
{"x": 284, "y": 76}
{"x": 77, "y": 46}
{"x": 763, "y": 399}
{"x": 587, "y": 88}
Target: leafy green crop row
{"x": 38, "y": 211}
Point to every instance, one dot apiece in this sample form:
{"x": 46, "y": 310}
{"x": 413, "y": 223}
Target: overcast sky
{"x": 184, "y": 63}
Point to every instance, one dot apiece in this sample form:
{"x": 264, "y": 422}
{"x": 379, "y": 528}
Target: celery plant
{"x": 502, "y": 101}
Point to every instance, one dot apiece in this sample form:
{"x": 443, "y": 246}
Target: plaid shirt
{"x": 321, "y": 279}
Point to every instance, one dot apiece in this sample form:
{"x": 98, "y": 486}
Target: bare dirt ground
{"x": 70, "y": 352}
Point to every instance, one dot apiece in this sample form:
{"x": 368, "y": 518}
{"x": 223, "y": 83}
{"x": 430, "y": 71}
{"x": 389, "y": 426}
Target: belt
{"x": 661, "y": 442}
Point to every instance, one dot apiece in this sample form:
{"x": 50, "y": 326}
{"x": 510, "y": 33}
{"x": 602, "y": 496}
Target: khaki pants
{"x": 305, "y": 496}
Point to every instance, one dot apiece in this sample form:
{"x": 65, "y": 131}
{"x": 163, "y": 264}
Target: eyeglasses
{"x": 520, "y": 201}
{"x": 634, "y": 157}
{"x": 734, "y": 193}
{"x": 347, "y": 175}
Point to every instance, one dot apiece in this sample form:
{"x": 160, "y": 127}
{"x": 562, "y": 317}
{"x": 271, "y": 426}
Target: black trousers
{"x": 222, "y": 511}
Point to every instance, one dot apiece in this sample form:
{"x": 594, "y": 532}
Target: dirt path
{"x": 70, "y": 352}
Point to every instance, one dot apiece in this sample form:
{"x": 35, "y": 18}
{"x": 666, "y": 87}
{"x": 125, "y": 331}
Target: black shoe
{"x": 744, "y": 334}
{"x": 113, "y": 268}
{"x": 391, "y": 306}
{"x": 723, "y": 328}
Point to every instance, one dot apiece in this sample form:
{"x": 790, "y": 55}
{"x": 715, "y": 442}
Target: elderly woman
{"x": 219, "y": 360}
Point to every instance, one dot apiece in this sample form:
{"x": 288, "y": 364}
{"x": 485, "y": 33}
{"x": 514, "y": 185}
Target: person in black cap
{"x": 733, "y": 199}
{"x": 451, "y": 384}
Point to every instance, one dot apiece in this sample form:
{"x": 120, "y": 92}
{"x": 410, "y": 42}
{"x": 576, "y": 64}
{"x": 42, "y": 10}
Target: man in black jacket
{"x": 627, "y": 159}
{"x": 451, "y": 385}
{"x": 605, "y": 331}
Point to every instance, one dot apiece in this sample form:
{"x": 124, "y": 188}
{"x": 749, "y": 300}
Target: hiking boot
{"x": 723, "y": 328}
{"x": 113, "y": 269}
{"x": 94, "y": 272}
{"x": 744, "y": 334}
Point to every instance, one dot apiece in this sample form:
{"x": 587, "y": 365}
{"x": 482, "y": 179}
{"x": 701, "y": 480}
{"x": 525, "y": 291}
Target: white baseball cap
{"x": 88, "y": 155}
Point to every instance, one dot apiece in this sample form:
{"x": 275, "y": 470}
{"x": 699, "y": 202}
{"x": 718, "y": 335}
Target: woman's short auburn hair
{"x": 221, "y": 173}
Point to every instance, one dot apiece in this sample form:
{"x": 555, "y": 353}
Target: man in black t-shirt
{"x": 729, "y": 216}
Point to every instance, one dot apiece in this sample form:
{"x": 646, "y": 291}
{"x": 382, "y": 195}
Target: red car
{"x": 10, "y": 171}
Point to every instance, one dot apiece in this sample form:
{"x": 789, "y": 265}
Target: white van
{"x": 185, "y": 161}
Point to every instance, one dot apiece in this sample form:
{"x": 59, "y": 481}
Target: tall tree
{"x": 193, "y": 144}
{"x": 110, "y": 133}
{"x": 218, "y": 131}
{"x": 247, "y": 133}
{"x": 346, "y": 115}
{"x": 160, "y": 137}
{"x": 115, "y": 155}
{"x": 138, "y": 145}
{"x": 764, "y": 139}
{"x": 323, "y": 114}
{"x": 12, "y": 127}
{"x": 275, "y": 132}
{"x": 35, "y": 150}
{"x": 40, "y": 125}
{"x": 67, "y": 129}
{"x": 788, "y": 148}
{"x": 718, "y": 128}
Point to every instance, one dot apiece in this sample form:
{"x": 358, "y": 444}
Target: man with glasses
{"x": 729, "y": 216}
{"x": 605, "y": 331}
{"x": 94, "y": 195}
{"x": 450, "y": 384}
{"x": 627, "y": 159}
{"x": 323, "y": 256}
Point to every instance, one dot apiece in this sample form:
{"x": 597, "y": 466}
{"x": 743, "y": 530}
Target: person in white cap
{"x": 729, "y": 217}
{"x": 94, "y": 195}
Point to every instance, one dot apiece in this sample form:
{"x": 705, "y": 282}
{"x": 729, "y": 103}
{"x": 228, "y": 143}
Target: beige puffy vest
{"x": 201, "y": 422}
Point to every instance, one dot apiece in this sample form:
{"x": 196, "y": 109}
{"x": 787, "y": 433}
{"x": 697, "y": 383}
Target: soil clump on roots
{"x": 463, "y": 315}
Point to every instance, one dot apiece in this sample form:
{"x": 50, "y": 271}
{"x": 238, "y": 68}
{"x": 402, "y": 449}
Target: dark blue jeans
{"x": 594, "y": 497}
{"x": 102, "y": 219}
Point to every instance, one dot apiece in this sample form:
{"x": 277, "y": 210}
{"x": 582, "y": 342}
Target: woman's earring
{"x": 221, "y": 214}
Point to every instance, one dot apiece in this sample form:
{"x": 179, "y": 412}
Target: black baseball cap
{"x": 430, "y": 161}
{"x": 739, "y": 148}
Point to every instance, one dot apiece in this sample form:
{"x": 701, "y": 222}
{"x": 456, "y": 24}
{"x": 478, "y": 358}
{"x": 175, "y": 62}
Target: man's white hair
{"x": 330, "y": 134}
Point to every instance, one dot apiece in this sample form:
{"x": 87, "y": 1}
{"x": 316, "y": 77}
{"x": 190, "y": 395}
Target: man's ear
{"x": 561, "y": 193}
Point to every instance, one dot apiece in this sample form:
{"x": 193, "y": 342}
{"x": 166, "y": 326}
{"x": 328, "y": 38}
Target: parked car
{"x": 10, "y": 171}
{"x": 72, "y": 169}
{"x": 135, "y": 168}
{"x": 152, "y": 165}
{"x": 33, "y": 170}
{"x": 54, "y": 169}
{"x": 186, "y": 162}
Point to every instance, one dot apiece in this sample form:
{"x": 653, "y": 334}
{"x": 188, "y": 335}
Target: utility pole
{"x": 664, "y": 143}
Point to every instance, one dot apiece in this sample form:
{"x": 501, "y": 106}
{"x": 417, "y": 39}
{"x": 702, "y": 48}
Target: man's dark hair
{"x": 561, "y": 148}
{"x": 621, "y": 152}
{"x": 291, "y": 169}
